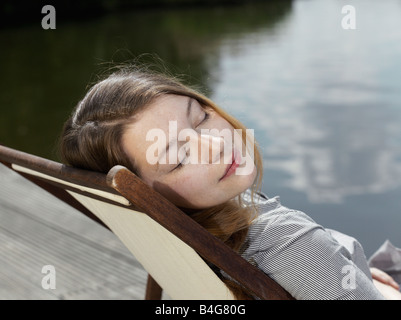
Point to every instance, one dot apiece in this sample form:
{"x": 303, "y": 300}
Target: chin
{"x": 247, "y": 180}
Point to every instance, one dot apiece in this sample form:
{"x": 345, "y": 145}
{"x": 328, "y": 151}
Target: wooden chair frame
{"x": 122, "y": 184}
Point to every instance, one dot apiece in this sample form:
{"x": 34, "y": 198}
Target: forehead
{"x": 156, "y": 116}
{"x": 162, "y": 110}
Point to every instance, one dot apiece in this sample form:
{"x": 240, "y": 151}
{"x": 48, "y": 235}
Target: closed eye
{"x": 178, "y": 166}
{"x": 205, "y": 118}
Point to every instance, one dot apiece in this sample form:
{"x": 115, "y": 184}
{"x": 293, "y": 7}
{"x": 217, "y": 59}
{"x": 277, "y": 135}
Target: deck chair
{"x": 176, "y": 251}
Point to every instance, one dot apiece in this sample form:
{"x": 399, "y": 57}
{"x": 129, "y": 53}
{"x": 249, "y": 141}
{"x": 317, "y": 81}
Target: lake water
{"x": 324, "y": 102}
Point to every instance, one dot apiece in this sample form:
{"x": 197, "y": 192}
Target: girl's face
{"x": 199, "y": 168}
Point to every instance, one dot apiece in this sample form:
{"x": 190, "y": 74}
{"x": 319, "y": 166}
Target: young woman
{"x": 187, "y": 148}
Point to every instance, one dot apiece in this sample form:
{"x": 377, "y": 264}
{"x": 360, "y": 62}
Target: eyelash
{"x": 179, "y": 165}
{"x": 207, "y": 116}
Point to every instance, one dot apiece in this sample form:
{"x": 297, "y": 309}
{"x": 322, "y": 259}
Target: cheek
{"x": 185, "y": 189}
{"x": 178, "y": 190}
{"x": 190, "y": 182}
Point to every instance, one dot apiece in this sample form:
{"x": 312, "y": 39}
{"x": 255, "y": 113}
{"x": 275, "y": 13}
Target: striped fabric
{"x": 309, "y": 261}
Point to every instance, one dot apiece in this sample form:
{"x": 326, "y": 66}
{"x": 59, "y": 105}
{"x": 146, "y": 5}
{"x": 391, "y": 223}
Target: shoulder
{"x": 278, "y": 226}
{"x": 275, "y": 221}
{"x": 305, "y": 258}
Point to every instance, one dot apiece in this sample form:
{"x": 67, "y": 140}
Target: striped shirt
{"x": 307, "y": 260}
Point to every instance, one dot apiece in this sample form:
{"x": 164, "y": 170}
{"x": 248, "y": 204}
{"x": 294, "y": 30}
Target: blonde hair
{"x": 91, "y": 139}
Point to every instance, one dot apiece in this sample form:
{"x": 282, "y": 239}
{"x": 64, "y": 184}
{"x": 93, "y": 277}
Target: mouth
{"x": 230, "y": 169}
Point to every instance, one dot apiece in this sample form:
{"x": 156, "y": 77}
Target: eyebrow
{"x": 189, "y": 106}
{"x": 188, "y": 113}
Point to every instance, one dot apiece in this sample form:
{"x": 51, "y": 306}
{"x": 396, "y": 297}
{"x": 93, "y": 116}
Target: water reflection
{"x": 332, "y": 151}
{"x": 44, "y": 73}
{"x": 328, "y": 118}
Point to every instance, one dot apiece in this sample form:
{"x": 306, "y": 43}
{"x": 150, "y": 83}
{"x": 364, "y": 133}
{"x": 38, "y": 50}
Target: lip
{"x": 230, "y": 169}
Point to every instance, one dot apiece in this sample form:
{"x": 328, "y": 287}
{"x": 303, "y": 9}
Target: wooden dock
{"x": 37, "y": 229}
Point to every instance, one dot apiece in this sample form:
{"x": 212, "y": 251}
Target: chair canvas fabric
{"x": 176, "y": 267}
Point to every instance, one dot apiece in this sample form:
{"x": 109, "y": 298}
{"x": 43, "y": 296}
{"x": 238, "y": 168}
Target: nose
{"x": 210, "y": 149}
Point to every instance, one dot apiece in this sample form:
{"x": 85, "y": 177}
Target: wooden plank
{"x": 37, "y": 229}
